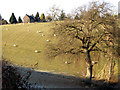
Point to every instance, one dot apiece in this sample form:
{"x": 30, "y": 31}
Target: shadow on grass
{"x": 29, "y": 79}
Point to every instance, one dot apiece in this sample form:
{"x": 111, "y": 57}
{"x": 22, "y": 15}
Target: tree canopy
{"x": 37, "y": 17}
{"x": 62, "y": 15}
{"x": 13, "y": 19}
{"x": 54, "y": 12}
{"x": 20, "y": 20}
{"x": 42, "y": 17}
{"x": 96, "y": 31}
{"x": 49, "y": 18}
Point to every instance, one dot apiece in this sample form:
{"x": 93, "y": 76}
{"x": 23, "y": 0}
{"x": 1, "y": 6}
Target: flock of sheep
{"x": 37, "y": 51}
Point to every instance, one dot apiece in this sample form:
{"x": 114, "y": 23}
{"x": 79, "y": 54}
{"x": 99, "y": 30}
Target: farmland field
{"x": 33, "y": 36}
{"x": 27, "y": 39}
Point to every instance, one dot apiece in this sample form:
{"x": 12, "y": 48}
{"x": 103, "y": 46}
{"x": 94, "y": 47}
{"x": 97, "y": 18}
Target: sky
{"x": 23, "y": 7}
{"x": 119, "y": 7}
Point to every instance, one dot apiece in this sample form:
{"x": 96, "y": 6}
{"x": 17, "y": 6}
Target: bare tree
{"x": 69, "y": 16}
{"x": 95, "y": 31}
{"x": 54, "y": 12}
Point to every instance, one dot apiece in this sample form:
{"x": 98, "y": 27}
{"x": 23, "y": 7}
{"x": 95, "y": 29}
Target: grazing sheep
{"x": 105, "y": 55}
{"x": 43, "y": 35}
{"x": 48, "y": 40}
{"x": 94, "y": 62}
{"x": 36, "y": 51}
{"x": 28, "y": 30}
{"x": 54, "y": 35}
{"x": 6, "y": 28}
{"x": 66, "y": 62}
{"x": 15, "y": 45}
{"x": 38, "y": 32}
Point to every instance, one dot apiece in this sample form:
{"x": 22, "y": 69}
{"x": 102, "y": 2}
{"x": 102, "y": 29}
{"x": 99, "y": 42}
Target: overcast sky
{"x": 22, "y": 7}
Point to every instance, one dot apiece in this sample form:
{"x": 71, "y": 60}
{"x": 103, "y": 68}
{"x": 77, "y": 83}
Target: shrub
{"x": 11, "y": 78}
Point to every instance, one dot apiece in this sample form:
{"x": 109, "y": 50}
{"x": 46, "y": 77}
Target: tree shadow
{"x": 48, "y": 80}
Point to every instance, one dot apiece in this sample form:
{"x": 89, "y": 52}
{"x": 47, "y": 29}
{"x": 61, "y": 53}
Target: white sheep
{"x": 15, "y": 45}
{"x": 28, "y": 30}
{"x": 48, "y": 40}
{"x": 43, "y": 35}
{"x": 105, "y": 55}
{"x": 6, "y": 28}
{"x": 38, "y": 32}
{"x": 36, "y": 51}
{"x": 94, "y": 62}
{"x": 66, "y": 62}
{"x": 54, "y": 34}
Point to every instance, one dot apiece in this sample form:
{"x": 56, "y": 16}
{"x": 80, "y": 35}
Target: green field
{"x": 27, "y": 39}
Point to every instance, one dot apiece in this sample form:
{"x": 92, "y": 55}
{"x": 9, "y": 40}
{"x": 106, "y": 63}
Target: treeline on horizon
{"x": 55, "y": 14}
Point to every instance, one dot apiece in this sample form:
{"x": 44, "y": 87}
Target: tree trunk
{"x": 111, "y": 70}
{"x": 89, "y": 66}
{"x": 89, "y": 72}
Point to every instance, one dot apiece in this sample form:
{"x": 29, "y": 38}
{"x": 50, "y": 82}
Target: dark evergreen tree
{"x": 13, "y": 19}
{"x": 37, "y": 17}
{"x": 62, "y": 15}
{"x": 0, "y": 19}
{"x": 20, "y": 20}
{"x": 42, "y": 17}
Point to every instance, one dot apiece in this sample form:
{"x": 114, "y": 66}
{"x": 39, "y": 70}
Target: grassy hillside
{"x": 27, "y": 39}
